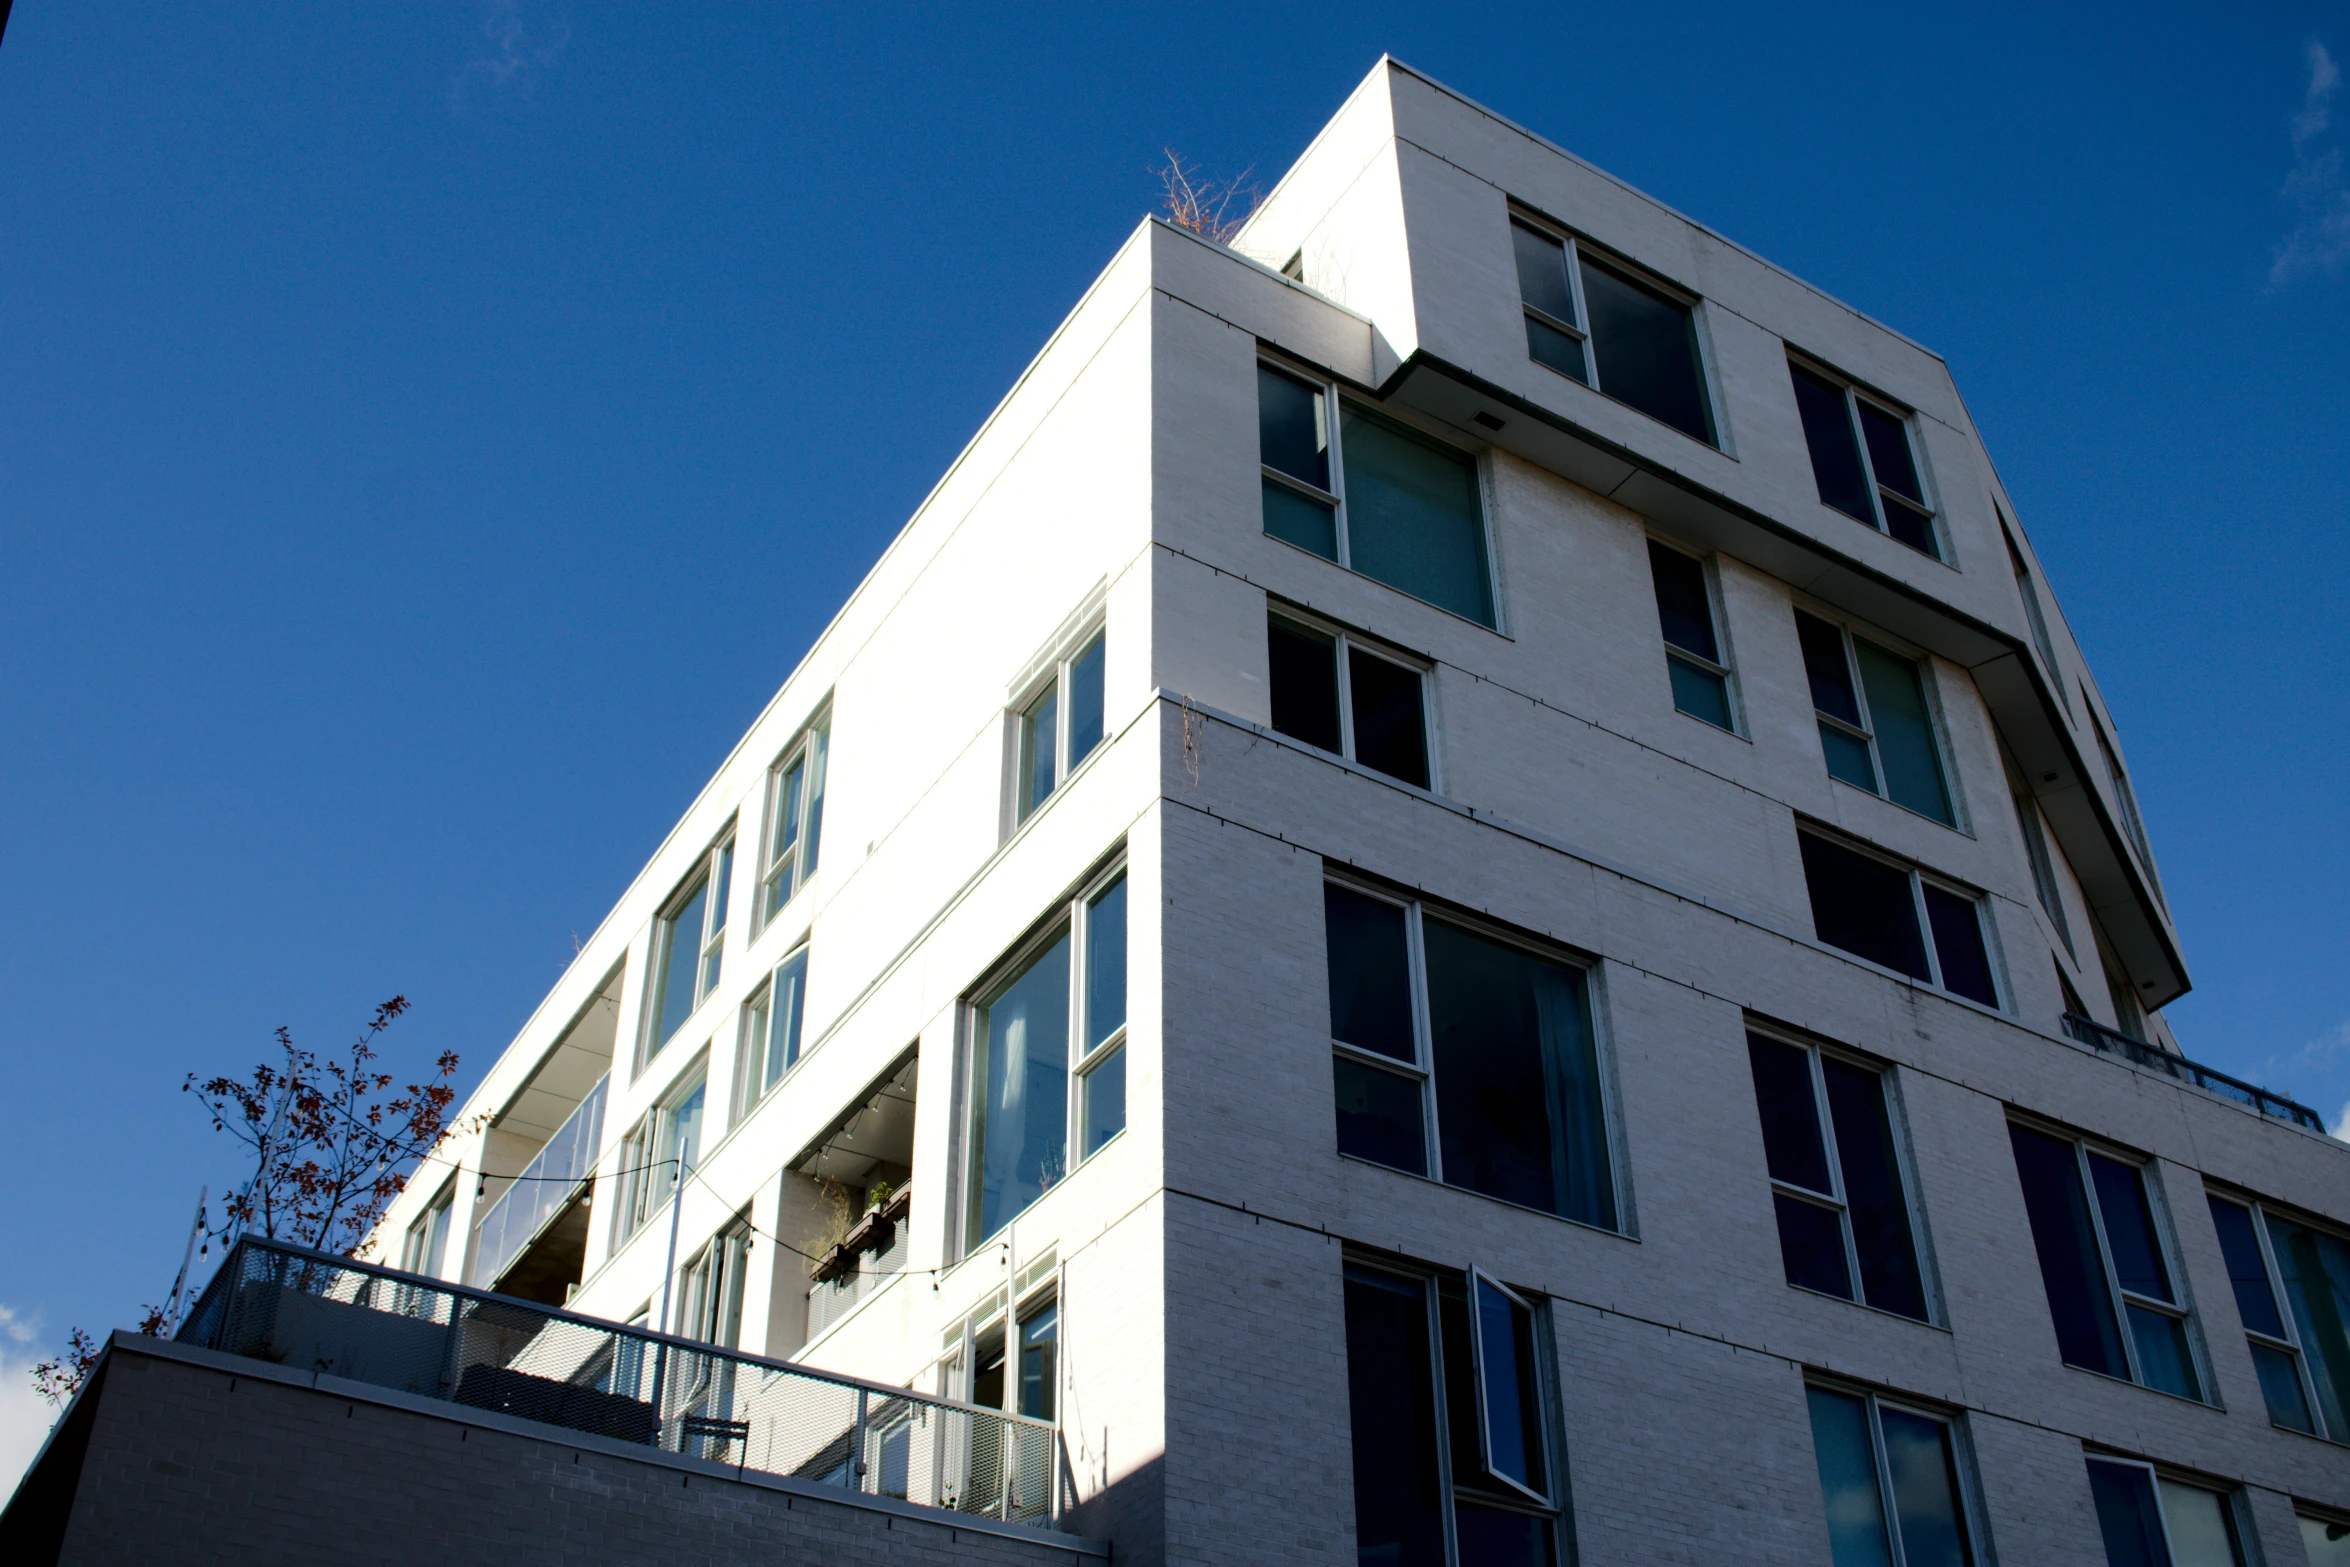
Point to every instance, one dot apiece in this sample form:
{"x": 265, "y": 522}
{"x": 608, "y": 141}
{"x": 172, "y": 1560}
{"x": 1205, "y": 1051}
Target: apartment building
{"x": 1458, "y": 898}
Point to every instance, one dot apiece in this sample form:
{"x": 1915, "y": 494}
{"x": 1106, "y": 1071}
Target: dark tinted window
{"x": 1790, "y": 1114}
{"x": 2128, "y": 1518}
{"x": 1370, "y": 973}
{"x": 1863, "y": 906}
{"x": 1413, "y": 518}
{"x": 1684, "y": 612}
{"x": 1542, "y": 273}
{"x": 1835, "y": 454}
{"x": 1292, "y": 434}
{"x": 1872, "y": 1189}
{"x": 2079, "y": 1302}
{"x": 1304, "y": 669}
{"x": 1958, "y": 944}
{"x": 1391, "y": 734}
{"x": 1379, "y": 1116}
{"x": 1646, "y": 347}
{"x": 2256, "y": 1303}
{"x": 1904, "y": 731}
{"x": 1824, "y": 663}
{"x": 1391, "y": 1406}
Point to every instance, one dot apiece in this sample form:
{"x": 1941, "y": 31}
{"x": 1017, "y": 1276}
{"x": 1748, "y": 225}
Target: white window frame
{"x": 1724, "y": 671}
{"x": 1881, "y": 495}
{"x": 417, "y": 1245}
{"x": 1970, "y": 1500}
{"x": 642, "y": 1197}
{"x": 1937, "y": 727}
{"x": 714, "y": 871}
{"x": 1056, "y": 682}
{"x": 757, "y": 1040}
{"x": 2239, "y": 1523}
{"x": 783, "y": 872}
{"x": 1346, "y": 640}
{"x": 1919, "y": 880}
{"x": 2291, "y": 1343}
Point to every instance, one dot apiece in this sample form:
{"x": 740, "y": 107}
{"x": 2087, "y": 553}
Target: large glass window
{"x": 1591, "y": 319}
{"x": 1889, "y": 1476}
{"x": 795, "y": 819}
{"x": 1844, "y": 1226}
{"x": 2326, "y": 1540}
{"x": 1031, "y": 1081}
{"x": 1876, "y": 729}
{"x": 1462, "y": 1054}
{"x": 689, "y": 943}
{"x": 2044, "y": 882}
{"x": 1383, "y": 499}
{"x": 1892, "y": 915}
{"x": 1448, "y": 1380}
{"x": 426, "y": 1248}
{"x": 1864, "y": 458}
{"x": 2151, "y": 1519}
{"x": 2103, "y": 1263}
{"x": 1333, "y": 690}
{"x": 658, "y": 1154}
{"x": 1059, "y": 726}
{"x": 771, "y": 1031}
{"x": 2292, "y": 1286}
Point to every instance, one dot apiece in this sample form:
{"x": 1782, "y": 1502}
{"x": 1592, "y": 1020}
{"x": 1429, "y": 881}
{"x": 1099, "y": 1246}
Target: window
{"x": 1059, "y": 726}
{"x": 1629, "y": 339}
{"x": 689, "y": 939}
{"x": 1334, "y": 691}
{"x": 1876, "y": 729}
{"x": 426, "y": 1249}
{"x": 1453, "y": 1452}
{"x": 2301, "y": 1349}
{"x": 795, "y": 820}
{"x": 1464, "y": 1055}
{"x": 658, "y": 1155}
{"x": 1889, "y": 1475}
{"x": 1398, "y": 506}
{"x": 2127, "y": 799}
{"x": 1693, "y": 654}
{"x": 2326, "y": 1540}
{"x": 2103, "y": 1263}
{"x": 1863, "y": 458}
{"x": 1898, "y": 918}
{"x": 2027, "y": 819}
{"x": 771, "y": 1031}
{"x": 2032, "y": 615}
{"x": 1026, "y": 1092}
{"x": 2149, "y": 1519}
{"x": 710, "y": 1289}
{"x": 1836, "y": 1184}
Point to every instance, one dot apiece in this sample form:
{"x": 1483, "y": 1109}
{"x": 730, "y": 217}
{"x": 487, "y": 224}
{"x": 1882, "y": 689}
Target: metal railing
{"x": 2139, "y": 1053}
{"x": 832, "y": 1299}
{"x": 313, "y": 1312}
{"x": 545, "y": 1187}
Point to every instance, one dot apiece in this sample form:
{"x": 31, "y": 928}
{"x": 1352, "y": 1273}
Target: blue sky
{"x": 430, "y": 432}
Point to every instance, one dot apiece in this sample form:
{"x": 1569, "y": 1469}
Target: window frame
{"x": 1919, "y": 880}
{"x": 2030, "y": 822}
{"x": 2166, "y": 1242}
{"x": 1067, "y": 921}
{"x": 1421, "y": 1069}
{"x": 2304, "y": 1373}
{"x": 754, "y": 1042}
{"x": 2035, "y": 618}
{"x": 1880, "y": 494}
{"x": 713, "y": 872}
{"x": 1723, "y": 671}
{"x": 1971, "y": 1510}
{"x": 1056, "y": 681}
{"x": 1929, "y": 690}
{"x": 419, "y": 1242}
{"x": 812, "y": 746}
{"x": 2231, "y": 1502}
{"x": 1345, "y": 641}
{"x": 1334, "y": 399}
{"x": 639, "y": 1203}
{"x": 1717, "y": 438}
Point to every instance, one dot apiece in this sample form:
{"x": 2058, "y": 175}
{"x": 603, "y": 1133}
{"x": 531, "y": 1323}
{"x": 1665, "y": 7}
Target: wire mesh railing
{"x": 547, "y": 1184}
{"x": 2136, "y": 1051}
{"x": 313, "y": 1312}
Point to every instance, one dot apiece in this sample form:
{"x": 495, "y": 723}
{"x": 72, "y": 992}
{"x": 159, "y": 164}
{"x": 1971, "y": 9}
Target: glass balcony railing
{"x": 543, "y": 1189}
{"x": 2139, "y": 1053}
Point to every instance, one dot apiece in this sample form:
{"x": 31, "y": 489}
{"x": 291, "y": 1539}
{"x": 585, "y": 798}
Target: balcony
{"x": 540, "y": 1203}
{"x": 310, "y": 1312}
{"x": 2139, "y": 1053}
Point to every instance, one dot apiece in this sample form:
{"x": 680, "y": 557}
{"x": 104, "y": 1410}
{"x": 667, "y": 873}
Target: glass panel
{"x": 755, "y": 1077}
{"x": 1370, "y": 973}
{"x": 1811, "y": 1246}
{"x": 1847, "y": 756}
{"x": 1958, "y": 943}
{"x": 786, "y": 834}
{"x": 1911, "y": 527}
{"x": 1413, "y": 519}
{"x": 1848, "y": 1480}
{"x": 2256, "y": 1302}
{"x": 2316, "y": 1273}
{"x": 1019, "y": 1138}
{"x": 1646, "y": 346}
{"x": 1823, "y": 661}
{"x": 1038, "y": 727}
{"x": 1542, "y": 273}
{"x": 1684, "y": 612}
{"x": 1835, "y": 453}
{"x": 1517, "y": 1079}
{"x": 2078, "y": 1301}
{"x": 1391, "y": 734}
{"x": 685, "y": 1132}
{"x": 2201, "y": 1533}
{"x": 2126, "y": 1515}
{"x": 2327, "y": 1542}
{"x": 1790, "y": 1114}
{"x": 1889, "y": 452}
{"x": 1304, "y": 669}
{"x": 819, "y": 750}
{"x": 2280, "y": 1387}
{"x": 1700, "y": 692}
{"x": 681, "y": 941}
{"x": 1547, "y": 345}
{"x": 2027, "y": 820}
{"x": 1300, "y": 520}
{"x": 1511, "y": 1402}
{"x": 2162, "y": 1351}
{"x": 714, "y": 945}
{"x": 1085, "y": 701}
{"x": 1391, "y": 1409}
{"x": 1925, "y": 1489}
{"x": 1904, "y": 731}
{"x": 1039, "y": 1362}
{"x": 1379, "y": 1116}
{"x": 1872, "y": 1189}
{"x": 1863, "y": 906}
{"x": 1496, "y": 1537}
{"x": 1105, "y": 1101}
{"x": 783, "y": 1040}
{"x": 2129, "y": 1227}
{"x": 1105, "y": 963}
{"x": 1293, "y": 432}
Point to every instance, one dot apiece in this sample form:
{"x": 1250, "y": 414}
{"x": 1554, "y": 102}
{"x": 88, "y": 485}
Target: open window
{"x": 689, "y": 946}
{"x": 2149, "y": 1517}
{"x": 770, "y": 1044}
{"x": 795, "y": 818}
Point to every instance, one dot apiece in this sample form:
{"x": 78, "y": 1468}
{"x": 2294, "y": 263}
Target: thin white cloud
{"x": 2320, "y": 242}
{"x": 25, "y": 1415}
{"x": 512, "y": 57}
